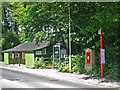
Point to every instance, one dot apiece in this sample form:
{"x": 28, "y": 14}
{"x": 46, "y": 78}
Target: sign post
{"x": 102, "y": 54}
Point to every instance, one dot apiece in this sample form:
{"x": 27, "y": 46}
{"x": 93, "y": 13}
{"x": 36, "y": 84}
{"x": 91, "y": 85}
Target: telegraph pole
{"x": 70, "y": 61}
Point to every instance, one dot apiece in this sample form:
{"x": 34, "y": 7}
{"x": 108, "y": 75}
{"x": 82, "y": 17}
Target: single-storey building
{"x": 27, "y": 52}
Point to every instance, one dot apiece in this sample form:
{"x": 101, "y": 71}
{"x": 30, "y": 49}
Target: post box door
{"x": 87, "y": 57}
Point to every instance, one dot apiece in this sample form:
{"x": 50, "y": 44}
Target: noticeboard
{"x": 63, "y": 51}
{"x": 102, "y": 56}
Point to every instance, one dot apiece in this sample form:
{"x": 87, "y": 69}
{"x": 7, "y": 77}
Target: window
{"x": 13, "y": 56}
{"x": 16, "y": 54}
{"x": 38, "y": 52}
{"x": 23, "y": 55}
{"x": 41, "y": 52}
{"x": 10, "y": 54}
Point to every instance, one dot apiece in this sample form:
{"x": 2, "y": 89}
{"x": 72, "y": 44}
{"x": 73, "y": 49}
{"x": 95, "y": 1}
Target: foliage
{"x": 39, "y": 64}
{"x": 50, "y": 22}
{"x": 63, "y": 67}
{"x": 98, "y": 15}
{"x": 10, "y": 36}
{"x": 42, "y": 17}
{"x": 42, "y": 63}
{"x": 111, "y": 71}
{"x": 55, "y": 64}
{"x": 78, "y": 63}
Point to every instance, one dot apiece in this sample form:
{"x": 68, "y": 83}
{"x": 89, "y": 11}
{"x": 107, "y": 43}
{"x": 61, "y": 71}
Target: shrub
{"x": 39, "y": 64}
{"x": 55, "y": 64}
{"x": 78, "y": 63}
{"x": 63, "y": 68}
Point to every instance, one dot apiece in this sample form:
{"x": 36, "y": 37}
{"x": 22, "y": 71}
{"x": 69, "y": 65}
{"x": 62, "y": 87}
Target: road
{"x": 17, "y": 79}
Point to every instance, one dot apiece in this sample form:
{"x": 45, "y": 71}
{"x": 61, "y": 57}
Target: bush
{"x": 111, "y": 71}
{"x": 55, "y": 64}
{"x": 78, "y": 63}
{"x": 63, "y": 68}
{"x": 39, "y": 64}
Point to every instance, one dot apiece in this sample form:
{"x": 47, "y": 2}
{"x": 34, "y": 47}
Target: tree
{"x": 42, "y": 21}
{"x": 49, "y": 22}
{"x": 87, "y": 18}
{"x": 10, "y": 36}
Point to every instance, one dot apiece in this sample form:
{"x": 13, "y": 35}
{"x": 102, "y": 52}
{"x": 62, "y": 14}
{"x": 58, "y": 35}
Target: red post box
{"x": 88, "y": 57}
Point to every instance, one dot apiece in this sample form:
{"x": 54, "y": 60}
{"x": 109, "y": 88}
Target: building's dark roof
{"x": 28, "y": 46}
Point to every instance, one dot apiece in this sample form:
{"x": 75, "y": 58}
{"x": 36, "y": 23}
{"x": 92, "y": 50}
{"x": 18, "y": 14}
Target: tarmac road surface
{"x": 15, "y": 80}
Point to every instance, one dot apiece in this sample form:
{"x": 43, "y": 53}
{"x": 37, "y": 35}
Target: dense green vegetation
{"x": 41, "y": 63}
{"x": 10, "y": 31}
{"x": 50, "y": 22}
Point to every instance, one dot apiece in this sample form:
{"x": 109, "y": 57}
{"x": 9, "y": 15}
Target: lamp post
{"x": 102, "y": 54}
